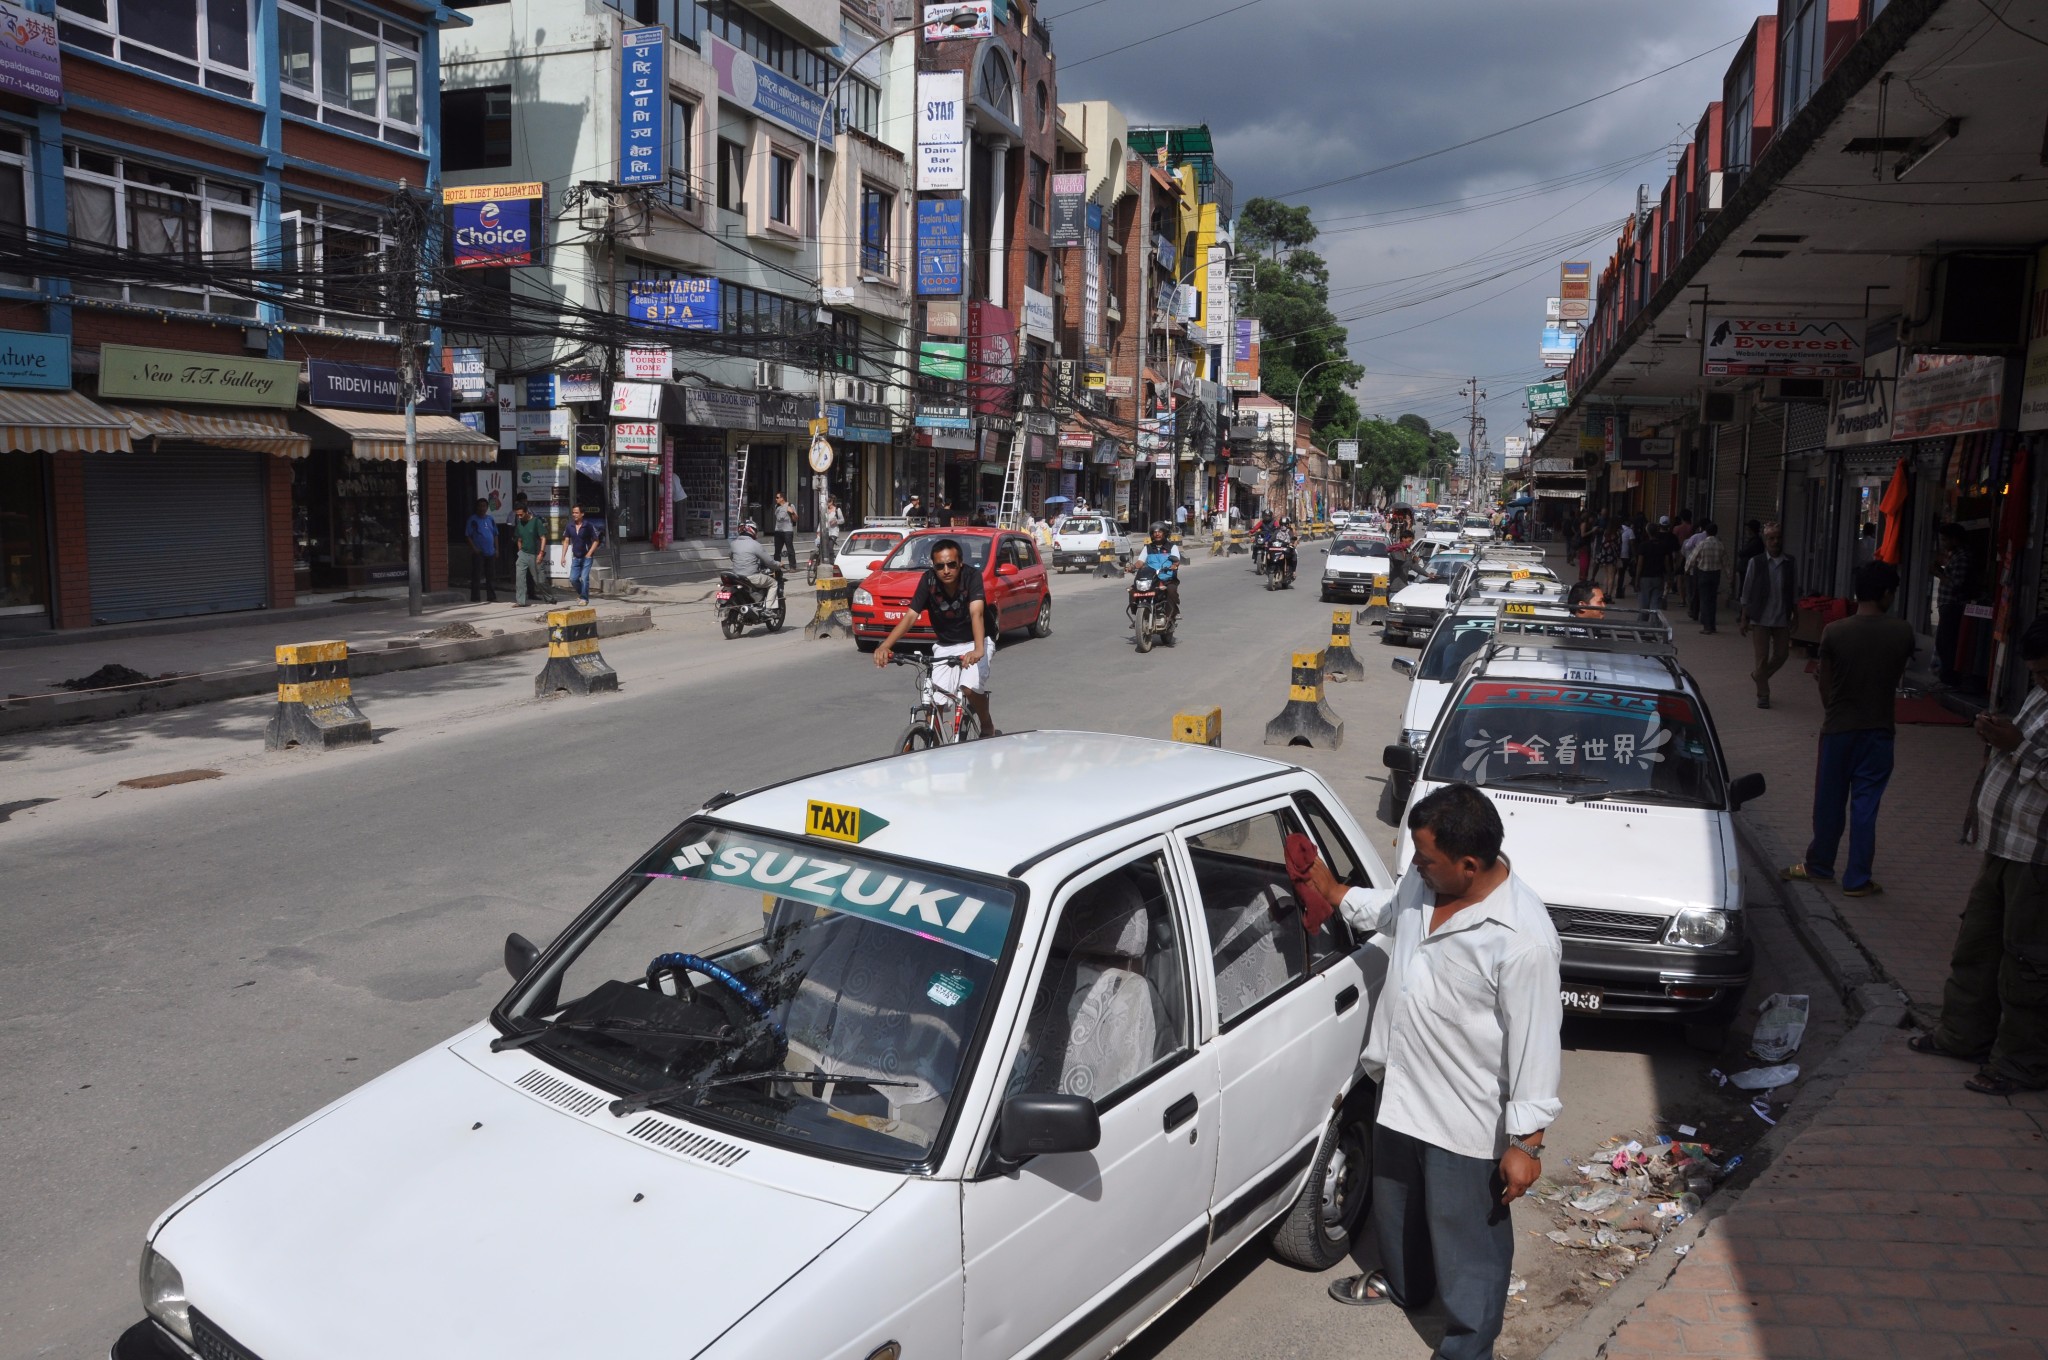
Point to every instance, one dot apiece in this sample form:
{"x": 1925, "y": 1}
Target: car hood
{"x": 896, "y": 586}
{"x": 439, "y": 1211}
{"x": 1359, "y": 566}
{"x": 1423, "y": 595}
{"x": 1425, "y": 700}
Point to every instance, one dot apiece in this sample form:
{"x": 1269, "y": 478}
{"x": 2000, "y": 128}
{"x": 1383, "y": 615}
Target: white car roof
{"x": 1562, "y": 665}
{"x": 988, "y": 806}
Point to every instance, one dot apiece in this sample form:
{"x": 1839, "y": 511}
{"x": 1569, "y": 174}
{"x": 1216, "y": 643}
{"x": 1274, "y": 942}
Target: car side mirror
{"x": 1006, "y": 568}
{"x": 520, "y": 955}
{"x": 1402, "y": 759}
{"x": 1405, "y": 665}
{"x": 1041, "y": 1123}
{"x": 1746, "y": 789}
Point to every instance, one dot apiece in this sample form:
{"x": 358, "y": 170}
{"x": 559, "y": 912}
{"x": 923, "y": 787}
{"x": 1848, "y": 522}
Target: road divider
{"x": 1105, "y": 558}
{"x": 574, "y": 662}
{"x": 315, "y": 705}
{"x": 1307, "y": 720}
{"x": 1339, "y": 661}
{"x": 835, "y": 609}
{"x": 1199, "y": 729}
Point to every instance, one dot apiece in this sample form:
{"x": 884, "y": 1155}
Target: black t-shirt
{"x": 950, "y": 623}
{"x": 1657, "y": 548}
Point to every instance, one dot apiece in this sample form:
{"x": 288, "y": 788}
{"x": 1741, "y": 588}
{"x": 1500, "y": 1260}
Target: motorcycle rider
{"x": 752, "y": 564}
{"x": 1159, "y": 553}
{"x": 1282, "y": 541}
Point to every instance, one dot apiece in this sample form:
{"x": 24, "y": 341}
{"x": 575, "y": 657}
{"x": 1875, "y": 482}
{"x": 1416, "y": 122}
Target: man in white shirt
{"x": 1464, "y": 1044}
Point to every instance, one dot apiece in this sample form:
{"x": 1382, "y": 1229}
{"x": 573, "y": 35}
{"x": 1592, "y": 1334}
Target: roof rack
{"x": 1638, "y": 632}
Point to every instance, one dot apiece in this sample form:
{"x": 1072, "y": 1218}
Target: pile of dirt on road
{"x": 453, "y": 632}
{"x": 113, "y": 676}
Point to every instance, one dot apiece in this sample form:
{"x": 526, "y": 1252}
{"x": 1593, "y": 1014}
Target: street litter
{"x": 1629, "y": 1194}
{"x": 1516, "y": 1284}
{"x": 1780, "y": 1026}
{"x": 1761, "y": 1108}
{"x": 1758, "y": 1078}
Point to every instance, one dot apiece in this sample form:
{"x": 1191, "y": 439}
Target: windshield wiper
{"x": 620, "y": 1025}
{"x": 634, "y": 1104}
{"x": 1550, "y": 776}
{"x": 1646, "y": 793}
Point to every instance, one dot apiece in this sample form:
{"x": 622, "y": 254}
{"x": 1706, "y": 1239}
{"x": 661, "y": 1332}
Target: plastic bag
{"x": 1780, "y": 1026}
{"x": 1765, "y": 1078}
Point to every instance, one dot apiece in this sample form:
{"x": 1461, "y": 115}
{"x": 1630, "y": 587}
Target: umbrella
{"x": 1059, "y": 500}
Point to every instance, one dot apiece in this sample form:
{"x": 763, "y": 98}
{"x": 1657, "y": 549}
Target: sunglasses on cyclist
{"x": 946, "y": 566}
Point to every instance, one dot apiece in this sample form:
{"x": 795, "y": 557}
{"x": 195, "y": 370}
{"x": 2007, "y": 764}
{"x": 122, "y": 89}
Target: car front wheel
{"x": 1316, "y": 1234}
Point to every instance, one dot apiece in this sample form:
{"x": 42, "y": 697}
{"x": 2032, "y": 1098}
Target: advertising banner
{"x": 33, "y": 359}
{"x": 767, "y": 93}
{"x": 643, "y": 97}
{"x": 717, "y": 409}
{"x": 1575, "y": 290}
{"x": 493, "y": 224}
{"x": 361, "y": 387}
{"x": 1244, "y": 356}
{"x": 942, "y": 359}
{"x": 941, "y": 130}
{"x": 685, "y": 304}
{"x": 466, "y": 370}
{"x": 635, "y": 401}
{"x": 1069, "y": 209}
{"x": 578, "y": 385}
{"x": 2034, "y": 379}
{"x": 786, "y": 412}
{"x": 1860, "y": 409}
{"x": 1549, "y": 396}
{"x": 1784, "y": 347}
{"x": 494, "y": 488}
{"x": 138, "y": 374}
{"x": 1559, "y": 344}
{"x": 640, "y": 438}
{"x": 1649, "y": 455}
{"x": 1347, "y": 450}
{"x": 1038, "y": 315}
{"x": 941, "y": 246}
{"x": 28, "y": 55}
{"x": 944, "y": 415}
{"x": 992, "y": 343}
{"x": 940, "y": 20}
{"x": 1941, "y": 394}
{"x": 1091, "y": 279}
{"x": 646, "y": 364}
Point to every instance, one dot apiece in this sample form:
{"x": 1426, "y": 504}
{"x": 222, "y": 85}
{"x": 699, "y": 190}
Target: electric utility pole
{"x": 1474, "y": 423}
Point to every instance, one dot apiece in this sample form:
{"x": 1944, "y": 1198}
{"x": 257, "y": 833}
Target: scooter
{"x": 738, "y": 608}
{"x": 1152, "y": 615}
{"x": 1258, "y": 554}
{"x": 1279, "y": 571}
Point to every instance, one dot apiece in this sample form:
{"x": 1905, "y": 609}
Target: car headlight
{"x": 163, "y": 1294}
{"x": 1699, "y": 928}
{"x": 862, "y": 597}
{"x": 1414, "y": 736}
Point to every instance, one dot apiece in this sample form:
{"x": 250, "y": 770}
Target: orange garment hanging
{"x": 1893, "y": 508}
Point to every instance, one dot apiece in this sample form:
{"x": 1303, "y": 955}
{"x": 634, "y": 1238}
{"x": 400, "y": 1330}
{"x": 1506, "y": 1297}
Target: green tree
{"x": 1290, "y": 296}
{"x": 1274, "y": 228}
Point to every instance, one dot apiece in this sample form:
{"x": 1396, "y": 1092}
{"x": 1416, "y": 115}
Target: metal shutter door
{"x": 1766, "y": 468}
{"x": 1727, "y": 476}
{"x": 169, "y": 534}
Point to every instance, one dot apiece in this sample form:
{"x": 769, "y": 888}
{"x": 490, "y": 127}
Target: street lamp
{"x": 1298, "y": 385}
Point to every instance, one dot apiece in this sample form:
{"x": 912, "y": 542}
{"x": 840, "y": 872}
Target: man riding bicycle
{"x": 753, "y": 565}
{"x": 1164, "y": 559}
{"x": 950, "y": 593}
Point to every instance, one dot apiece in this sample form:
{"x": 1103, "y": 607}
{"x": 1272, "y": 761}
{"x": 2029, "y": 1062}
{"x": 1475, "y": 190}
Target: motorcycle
{"x": 738, "y": 608}
{"x": 1152, "y": 615}
{"x": 1279, "y": 572}
{"x": 1258, "y": 554}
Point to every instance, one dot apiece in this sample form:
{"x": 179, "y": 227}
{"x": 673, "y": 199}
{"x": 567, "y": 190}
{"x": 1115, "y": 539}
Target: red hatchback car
{"x": 1013, "y": 581}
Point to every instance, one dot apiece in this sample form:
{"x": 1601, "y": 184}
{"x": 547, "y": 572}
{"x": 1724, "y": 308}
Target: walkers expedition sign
{"x": 137, "y": 374}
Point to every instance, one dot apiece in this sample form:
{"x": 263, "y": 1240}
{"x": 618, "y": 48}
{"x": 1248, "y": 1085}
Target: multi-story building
{"x": 197, "y": 384}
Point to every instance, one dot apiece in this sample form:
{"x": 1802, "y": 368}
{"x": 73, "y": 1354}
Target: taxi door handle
{"x": 1181, "y": 1111}
{"x": 1346, "y": 999}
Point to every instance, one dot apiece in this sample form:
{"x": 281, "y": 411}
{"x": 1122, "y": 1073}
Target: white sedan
{"x": 962, "y": 1053}
{"x": 865, "y": 547}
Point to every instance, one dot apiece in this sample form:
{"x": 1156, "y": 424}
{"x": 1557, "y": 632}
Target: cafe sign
{"x": 136, "y": 374}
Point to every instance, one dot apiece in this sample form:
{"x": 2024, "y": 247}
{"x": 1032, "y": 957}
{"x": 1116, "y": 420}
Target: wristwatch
{"x": 1533, "y": 1151}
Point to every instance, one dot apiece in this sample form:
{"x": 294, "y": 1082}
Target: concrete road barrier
{"x": 315, "y": 705}
{"x": 1199, "y": 729}
{"x": 1105, "y": 558}
{"x": 835, "y": 609}
{"x": 574, "y": 663}
{"x": 1307, "y": 720}
{"x": 1339, "y": 661}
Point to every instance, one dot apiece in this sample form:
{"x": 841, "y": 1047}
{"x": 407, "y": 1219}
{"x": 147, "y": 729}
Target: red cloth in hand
{"x": 1301, "y": 857}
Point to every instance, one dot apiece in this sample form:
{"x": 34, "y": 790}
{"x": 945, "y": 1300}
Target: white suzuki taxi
{"x": 1414, "y": 609}
{"x": 1598, "y": 750}
{"x": 1077, "y": 541}
{"x": 1456, "y": 638}
{"x": 1360, "y": 565}
{"x": 987, "y": 1051}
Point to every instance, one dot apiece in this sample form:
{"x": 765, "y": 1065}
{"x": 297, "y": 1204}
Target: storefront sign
{"x": 942, "y": 359}
{"x": 941, "y": 238}
{"x": 577, "y": 386}
{"x": 768, "y": 93}
{"x": 33, "y": 359}
{"x": 642, "y": 94}
{"x": 786, "y": 412}
{"x": 944, "y": 415}
{"x": 1038, "y": 315}
{"x": 494, "y": 231}
{"x": 137, "y": 374}
{"x": 2034, "y": 381}
{"x": 540, "y": 477}
{"x": 1347, "y": 450}
{"x": 647, "y": 364}
{"x": 637, "y": 437}
{"x": 466, "y": 369}
{"x": 1575, "y": 290}
{"x": 1548, "y": 396}
{"x": 1077, "y": 439}
{"x": 1115, "y": 386}
{"x": 1942, "y": 394}
{"x": 941, "y": 130}
{"x": 1069, "y": 209}
{"x": 684, "y": 304}
{"x": 719, "y": 409}
{"x": 543, "y": 426}
{"x": 360, "y": 387}
{"x": 28, "y": 55}
{"x": 635, "y": 401}
{"x": 1244, "y": 356}
{"x": 1652, "y": 455}
{"x": 540, "y": 390}
{"x": 859, "y": 423}
{"x": 992, "y": 336}
{"x": 1556, "y": 467}
{"x": 1860, "y": 412}
{"x": 1783, "y": 347}
{"x": 1560, "y": 343}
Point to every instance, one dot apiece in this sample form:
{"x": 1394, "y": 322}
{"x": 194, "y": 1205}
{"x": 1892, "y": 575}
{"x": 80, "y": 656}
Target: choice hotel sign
{"x": 493, "y": 223}
{"x": 179, "y": 375}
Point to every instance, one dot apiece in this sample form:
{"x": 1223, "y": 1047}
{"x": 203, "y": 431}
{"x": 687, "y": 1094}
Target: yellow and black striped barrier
{"x": 1199, "y": 729}
{"x": 1105, "y": 558}
{"x": 1237, "y": 537}
{"x": 1219, "y": 542}
{"x": 1307, "y": 720}
{"x": 315, "y": 706}
{"x": 574, "y": 663}
{"x": 835, "y": 609}
{"x": 1378, "y": 599}
{"x": 1340, "y": 662}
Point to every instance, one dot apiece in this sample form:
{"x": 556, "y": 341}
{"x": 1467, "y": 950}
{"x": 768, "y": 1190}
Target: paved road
{"x": 185, "y": 970}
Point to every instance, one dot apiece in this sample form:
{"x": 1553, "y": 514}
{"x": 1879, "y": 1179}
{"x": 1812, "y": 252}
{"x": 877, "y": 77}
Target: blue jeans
{"x": 1443, "y": 1234}
{"x": 1652, "y": 592}
{"x": 1709, "y": 583}
{"x": 1853, "y": 769}
{"x": 579, "y": 577}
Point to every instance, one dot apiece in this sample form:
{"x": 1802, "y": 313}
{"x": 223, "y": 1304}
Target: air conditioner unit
{"x": 1712, "y": 200}
{"x": 1717, "y": 408}
{"x": 843, "y": 388}
{"x": 1794, "y": 390}
{"x": 1976, "y": 302}
{"x": 866, "y": 393}
{"x": 767, "y": 374}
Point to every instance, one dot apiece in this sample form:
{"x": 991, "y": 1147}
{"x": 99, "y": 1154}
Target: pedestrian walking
{"x": 482, "y": 533}
{"x": 1707, "y": 559}
{"x": 1585, "y": 548}
{"x": 1626, "y": 563}
{"x": 1464, "y": 1044}
{"x": 1751, "y": 547}
{"x": 835, "y": 527}
{"x": 1765, "y": 615}
{"x": 1994, "y": 1008}
{"x": 1658, "y": 552}
{"x": 785, "y": 530}
{"x": 1676, "y": 580}
{"x": 531, "y": 537}
{"x": 1862, "y": 658}
{"x": 582, "y": 539}
{"x": 1607, "y": 561}
{"x": 1957, "y": 569}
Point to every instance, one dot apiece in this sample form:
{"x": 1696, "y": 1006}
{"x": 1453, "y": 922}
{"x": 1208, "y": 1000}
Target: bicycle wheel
{"x": 970, "y": 726}
{"x": 920, "y": 736}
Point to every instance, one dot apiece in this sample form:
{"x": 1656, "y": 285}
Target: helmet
{"x": 750, "y": 528}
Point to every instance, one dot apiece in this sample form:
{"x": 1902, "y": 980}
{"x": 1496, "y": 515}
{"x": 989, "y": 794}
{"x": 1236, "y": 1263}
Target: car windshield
{"x": 1440, "y": 567}
{"x": 794, "y": 990}
{"x": 1359, "y": 547}
{"x": 871, "y": 543}
{"x": 1453, "y": 642}
{"x": 1476, "y": 522}
{"x": 1082, "y": 526}
{"x": 1525, "y": 733}
{"x": 915, "y": 554}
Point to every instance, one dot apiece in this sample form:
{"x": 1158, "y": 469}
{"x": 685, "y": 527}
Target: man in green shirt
{"x": 532, "y": 537}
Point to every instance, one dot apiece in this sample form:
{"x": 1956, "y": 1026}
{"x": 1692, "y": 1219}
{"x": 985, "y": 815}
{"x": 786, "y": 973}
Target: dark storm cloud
{"x": 1298, "y": 92}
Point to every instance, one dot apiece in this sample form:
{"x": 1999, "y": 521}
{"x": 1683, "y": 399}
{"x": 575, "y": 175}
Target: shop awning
{"x": 59, "y": 422}
{"x": 380, "y": 435}
{"x": 255, "y": 431}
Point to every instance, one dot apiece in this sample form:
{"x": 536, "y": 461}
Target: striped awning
{"x": 59, "y": 422}
{"x": 254, "y": 431}
{"x": 381, "y": 435}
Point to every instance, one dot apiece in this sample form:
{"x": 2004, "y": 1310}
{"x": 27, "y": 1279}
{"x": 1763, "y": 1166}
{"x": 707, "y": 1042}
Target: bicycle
{"x": 930, "y": 722}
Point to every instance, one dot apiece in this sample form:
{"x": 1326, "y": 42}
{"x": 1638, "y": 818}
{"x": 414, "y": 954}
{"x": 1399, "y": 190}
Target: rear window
{"x": 1359, "y": 547}
{"x": 871, "y": 543}
{"x": 1082, "y": 526}
{"x": 915, "y": 554}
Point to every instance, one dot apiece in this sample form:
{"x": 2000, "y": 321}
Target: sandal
{"x": 1797, "y": 874}
{"x": 1925, "y": 1042}
{"x": 1361, "y": 1291}
{"x": 1989, "y": 1083}
{"x": 1871, "y": 889}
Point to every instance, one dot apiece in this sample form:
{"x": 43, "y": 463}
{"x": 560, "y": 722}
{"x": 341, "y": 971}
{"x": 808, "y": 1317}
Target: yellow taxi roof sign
{"x": 1519, "y": 574}
{"x": 838, "y": 822}
{"x": 1518, "y": 609}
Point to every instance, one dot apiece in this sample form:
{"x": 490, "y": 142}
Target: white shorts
{"x": 976, "y": 677}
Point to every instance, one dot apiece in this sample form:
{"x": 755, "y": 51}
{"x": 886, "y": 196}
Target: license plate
{"x": 891, "y": 615}
{"x": 1357, "y": 590}
{"x": 1585, "y": 1000}
{"x": 725, "y": 594}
